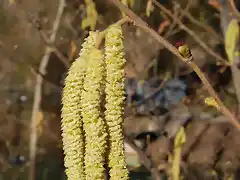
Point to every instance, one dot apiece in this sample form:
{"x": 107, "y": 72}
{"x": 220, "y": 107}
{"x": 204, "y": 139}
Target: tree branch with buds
{"x": 137, "y": 21}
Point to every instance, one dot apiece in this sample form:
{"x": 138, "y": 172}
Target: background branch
{"x": 143, "y": 158}
{"x": 192, "y": 34}
{"x": 204, "y": 26}
{"x": 225, "y": 19}
{"x": 58, "y": 53}
{"x": 38, "y": 92}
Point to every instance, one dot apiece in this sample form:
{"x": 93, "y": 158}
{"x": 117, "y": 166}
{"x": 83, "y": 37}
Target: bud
{"x": 184, "y": 50}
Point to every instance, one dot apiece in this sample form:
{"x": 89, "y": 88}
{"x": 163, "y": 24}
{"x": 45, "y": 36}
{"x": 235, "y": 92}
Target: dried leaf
{"x": 162, "y": 26}
{"x": 214, "y": 4}
{"x": 231, "y": 39}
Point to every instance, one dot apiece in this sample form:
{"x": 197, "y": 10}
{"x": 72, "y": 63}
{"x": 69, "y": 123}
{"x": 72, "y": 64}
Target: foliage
{"x": 231, "y": 39}
{"x": 210, "y": 101}
{"x": 149, "y": 8}
{"x": 179, "y": 141}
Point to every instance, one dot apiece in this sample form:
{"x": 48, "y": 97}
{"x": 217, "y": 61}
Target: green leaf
{"x": 179, "y": 141}
{"x": 92, "y": 16}
{"x": 231, "y": 39}
{"x": 149, "y": 8}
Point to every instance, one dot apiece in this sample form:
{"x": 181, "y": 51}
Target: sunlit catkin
{"x": 115, "y": 62}
{"x": 93, "y": 124}
{"x": 72, "y": 130}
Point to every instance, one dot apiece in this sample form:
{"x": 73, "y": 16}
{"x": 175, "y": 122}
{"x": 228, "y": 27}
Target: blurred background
{"x": 39, "y": 40}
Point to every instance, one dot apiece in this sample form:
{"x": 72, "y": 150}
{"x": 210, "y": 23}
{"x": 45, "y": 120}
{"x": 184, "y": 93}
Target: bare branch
{"x": 192, "y": 34}
{"x": 38, "y": 91}
{"x": 144, "y": 159}
{"x": 140, "y": 23}
{"x": 58, "y": 53}
{"x": 235, "y": 10}
{"x": 201, "y": 25}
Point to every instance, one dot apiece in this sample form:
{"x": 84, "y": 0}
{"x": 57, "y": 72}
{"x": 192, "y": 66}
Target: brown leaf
{"x": 214, "y": 4}
{"x": 162, "y": 26}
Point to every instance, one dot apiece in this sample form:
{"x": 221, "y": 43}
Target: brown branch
{"x": 102, "y": 34}
{"x": 38, "y": 92}
{"x": 140, "y": 23}
{"x": 192, "y": 34}
{"x": 55, "y": 50}
{"x": 235, "y": 10}
{"x": 201, "y": 25}
{"x": 179, "y": 16}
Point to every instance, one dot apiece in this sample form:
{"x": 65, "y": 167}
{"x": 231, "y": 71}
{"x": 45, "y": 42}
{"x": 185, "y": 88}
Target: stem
{"x": 102, "y": 34}
{"x": 140, "y": 23}
{"x": 192, "y": 34}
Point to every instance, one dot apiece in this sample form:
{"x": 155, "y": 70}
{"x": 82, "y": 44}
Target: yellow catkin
{"x": 93, "y": 124}
{"x": 72, "y": 132}
{"x": 115, "y": 62}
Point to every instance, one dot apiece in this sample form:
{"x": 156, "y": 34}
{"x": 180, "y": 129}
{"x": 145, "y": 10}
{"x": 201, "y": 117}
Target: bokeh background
{"x": 162, "y": 93}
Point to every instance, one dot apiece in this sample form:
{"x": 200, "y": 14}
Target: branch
{"x": 143, "y": 158}
{"x": 38, "y": 92}
{"x": 58, "y": 53}
{"x": 201, "y": 25}
{"x": 192, "y": 34}
{"x": 225, "y": 20}
{"x": 234, "y": 8}
{"x": 140, "y": 23}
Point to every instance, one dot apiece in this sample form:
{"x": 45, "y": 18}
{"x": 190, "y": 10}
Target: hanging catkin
{"x": 72, "y": 130}
{"x": 94, "y": 126}
{"x": 115, "y": 61}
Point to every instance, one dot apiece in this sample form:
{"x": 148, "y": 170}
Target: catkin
{"x": 115, "y": 61}
{"x": 72, "y": 130}
{"x": 94, "y": 126}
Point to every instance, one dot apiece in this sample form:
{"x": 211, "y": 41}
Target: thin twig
{"x": 58, "y": 53}
{"x": 235, "y": 10}
{"x": 143, "y": 158}
{"x": 177, "y": 15}
{"x": 102, "y": 34}
{"x": 140, "y": 23}
{"x": 38, "y": 92}
{"x": 192, "y": 34}
{"x": 36, "y": 72}
{"x": 161, "y": 85}
{"x": 201, "y": 25}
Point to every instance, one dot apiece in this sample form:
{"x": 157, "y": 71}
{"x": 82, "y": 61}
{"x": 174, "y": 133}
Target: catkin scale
{"x": 115, "y": 62}
{"x": 93, "y": 124}
{"x": 71, "y": 124}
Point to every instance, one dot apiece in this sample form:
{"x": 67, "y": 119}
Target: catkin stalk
{"x": 115, "y": 62}
{"x": 94, "y": 126}
{"x": 72, "y": 130}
